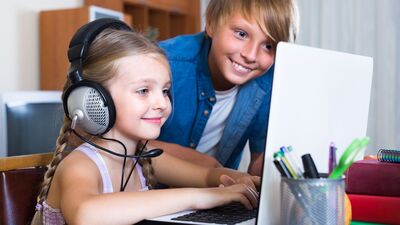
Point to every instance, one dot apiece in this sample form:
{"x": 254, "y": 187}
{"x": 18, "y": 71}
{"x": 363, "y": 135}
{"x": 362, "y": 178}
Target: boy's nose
{"x": 249, "y": 52}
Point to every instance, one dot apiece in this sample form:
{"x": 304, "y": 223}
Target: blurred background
{"x": 363, "y": 27}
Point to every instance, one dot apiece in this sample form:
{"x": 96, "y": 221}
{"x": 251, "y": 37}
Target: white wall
{"x": 19, "y": 39}
{"x": 364, "y": 27}
{"x": 203, "y": 6}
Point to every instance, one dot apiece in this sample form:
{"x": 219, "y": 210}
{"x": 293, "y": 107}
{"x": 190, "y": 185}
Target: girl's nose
{"x": 161, "y": 101}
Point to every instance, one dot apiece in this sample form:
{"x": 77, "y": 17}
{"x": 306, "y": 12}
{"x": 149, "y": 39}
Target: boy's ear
{"x": 209, "y": 31}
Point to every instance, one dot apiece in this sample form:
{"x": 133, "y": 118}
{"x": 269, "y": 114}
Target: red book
{"x": 376, "y": 209}
{"x": 371, "y": 177}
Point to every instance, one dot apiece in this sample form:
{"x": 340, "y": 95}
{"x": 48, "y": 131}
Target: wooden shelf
{"x": 56, "y": 30}
{"x": 168, "y": 17}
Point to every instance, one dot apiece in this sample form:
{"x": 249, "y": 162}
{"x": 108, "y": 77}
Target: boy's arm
{"x": 256, "y": 164}
{"x": 186, "y": 174}
{"x": 187, "y": 154}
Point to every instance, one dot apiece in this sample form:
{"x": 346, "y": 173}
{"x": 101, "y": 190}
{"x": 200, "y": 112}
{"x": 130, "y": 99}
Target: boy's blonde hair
{"x": 99, "y": 66}
{"x": 278, "y": 19}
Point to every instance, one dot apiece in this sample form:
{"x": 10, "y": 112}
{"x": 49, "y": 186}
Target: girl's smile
{"x": 153, "y": 120}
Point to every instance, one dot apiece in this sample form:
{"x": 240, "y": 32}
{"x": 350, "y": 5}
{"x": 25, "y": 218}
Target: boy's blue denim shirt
{"x": 193, "y": 97}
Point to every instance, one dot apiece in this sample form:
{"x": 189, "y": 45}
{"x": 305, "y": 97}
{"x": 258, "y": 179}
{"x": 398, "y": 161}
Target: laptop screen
{"x": 318, "y": 97}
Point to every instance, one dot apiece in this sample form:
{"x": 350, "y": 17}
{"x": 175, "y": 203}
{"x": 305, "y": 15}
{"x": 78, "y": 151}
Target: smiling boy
{"x": 222, "y": 81}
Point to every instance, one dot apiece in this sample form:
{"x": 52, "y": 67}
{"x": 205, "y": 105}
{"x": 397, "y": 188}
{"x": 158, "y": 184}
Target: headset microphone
{"x": 152, "y": 153}
{"x": 149, "y": 154}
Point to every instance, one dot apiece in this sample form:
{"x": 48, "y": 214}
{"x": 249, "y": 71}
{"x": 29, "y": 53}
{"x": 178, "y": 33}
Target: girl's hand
{"x": 213, "y": 197}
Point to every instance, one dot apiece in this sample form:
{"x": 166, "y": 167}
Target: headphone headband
{"x": 83, "y": 38}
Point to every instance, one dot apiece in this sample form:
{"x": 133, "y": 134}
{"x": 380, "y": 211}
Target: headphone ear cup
{"x": 94, "y": 115}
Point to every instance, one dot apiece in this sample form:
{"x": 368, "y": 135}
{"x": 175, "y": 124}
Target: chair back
{"x": 20, "y": 180}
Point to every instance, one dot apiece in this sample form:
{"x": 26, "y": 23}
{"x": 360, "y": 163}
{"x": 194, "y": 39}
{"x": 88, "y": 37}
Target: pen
{"x": 286, "y": 163}
{"x": 332, "y": 157}
{"x": 281, "y": 167}
{"x": 289, "y": 154}
{"x": 310, "y": 170}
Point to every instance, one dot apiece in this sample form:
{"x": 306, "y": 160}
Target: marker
{"x": 310, "y": 170}
{"x": 332, "y": 157}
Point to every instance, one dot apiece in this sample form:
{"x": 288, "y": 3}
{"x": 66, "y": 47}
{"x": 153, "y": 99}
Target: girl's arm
{"x": 81, "y": 202}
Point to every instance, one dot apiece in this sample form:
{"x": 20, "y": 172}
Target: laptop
{"x": 319, "y": 96}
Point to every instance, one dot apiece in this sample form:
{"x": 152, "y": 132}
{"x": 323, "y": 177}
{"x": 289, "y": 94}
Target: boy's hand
{"x": 251, "y": 182}
{"x": 256, "y": 164}
{"x": 187, "y": 154}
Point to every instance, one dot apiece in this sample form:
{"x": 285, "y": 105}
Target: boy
{"x": 222, "y": 82}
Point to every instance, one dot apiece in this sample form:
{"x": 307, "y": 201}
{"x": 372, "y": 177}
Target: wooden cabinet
{"x": 167, "y": 17}
{"x": 160, "y": 18}
{"x": 56, "y": 30}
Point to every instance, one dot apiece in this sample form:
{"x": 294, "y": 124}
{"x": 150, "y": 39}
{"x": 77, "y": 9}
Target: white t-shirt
{"x": 212, "y": 133}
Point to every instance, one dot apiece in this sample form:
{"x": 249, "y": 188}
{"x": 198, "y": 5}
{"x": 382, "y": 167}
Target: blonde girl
{"x": 84, "y": 186}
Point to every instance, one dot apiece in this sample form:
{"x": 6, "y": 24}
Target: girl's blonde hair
{"x": 99, "y": 66}
{"x": 278, "y": 19}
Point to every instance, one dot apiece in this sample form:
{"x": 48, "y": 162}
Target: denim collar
{"x": 205, "y": 88}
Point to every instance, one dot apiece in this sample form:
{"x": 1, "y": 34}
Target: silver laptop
{"x": 318, "y": 96}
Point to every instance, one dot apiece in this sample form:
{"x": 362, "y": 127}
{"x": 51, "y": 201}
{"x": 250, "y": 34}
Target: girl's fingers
{"x": 245, "y": 201}
{"x": 253, "y": 196}
{"x": 248, "y": 193}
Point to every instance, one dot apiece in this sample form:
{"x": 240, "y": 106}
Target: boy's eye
{"x": 267, "y": 46}
{"x": 143, "y": 91}
{"x": 241, "y": 34}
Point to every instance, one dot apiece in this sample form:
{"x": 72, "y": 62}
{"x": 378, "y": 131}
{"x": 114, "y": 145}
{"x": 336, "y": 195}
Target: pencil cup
{"x": 312, "y": 201}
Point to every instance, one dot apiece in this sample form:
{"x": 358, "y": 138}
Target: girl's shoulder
{"x": 75, "y": 173}
{"x": 76, "y": 164}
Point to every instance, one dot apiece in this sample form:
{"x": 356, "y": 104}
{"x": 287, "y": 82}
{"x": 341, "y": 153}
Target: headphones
{"x": 88, "y": 104}
{"x": 89, "y": 101}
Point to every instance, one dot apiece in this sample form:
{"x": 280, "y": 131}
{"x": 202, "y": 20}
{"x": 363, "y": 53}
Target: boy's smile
{"x": 240, "y": 51}
{"x": 240, "y": 68}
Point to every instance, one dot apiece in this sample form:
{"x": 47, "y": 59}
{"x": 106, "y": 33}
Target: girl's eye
{"x": 143, "y": 91}
{"x": 166, "y": 92}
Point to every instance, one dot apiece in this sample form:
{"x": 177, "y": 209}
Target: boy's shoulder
{"x": 184, "y": 47}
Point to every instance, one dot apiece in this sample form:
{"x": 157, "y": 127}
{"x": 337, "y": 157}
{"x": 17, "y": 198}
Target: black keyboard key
{"x": 228, "y": 214}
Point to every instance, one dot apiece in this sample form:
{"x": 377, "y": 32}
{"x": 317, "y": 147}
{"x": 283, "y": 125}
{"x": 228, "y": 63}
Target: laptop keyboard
{"x": 228, "y": 214}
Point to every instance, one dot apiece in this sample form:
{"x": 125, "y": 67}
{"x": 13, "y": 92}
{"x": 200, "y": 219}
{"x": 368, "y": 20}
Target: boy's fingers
{"x": 226, "y": 180}
{"x": 257, "y": 181}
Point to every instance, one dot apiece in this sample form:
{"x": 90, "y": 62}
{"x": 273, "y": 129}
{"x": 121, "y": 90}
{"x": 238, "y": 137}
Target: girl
{"x": 88, "y": 187}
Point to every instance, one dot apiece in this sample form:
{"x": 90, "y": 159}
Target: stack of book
{"x": 373, "y": 188}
